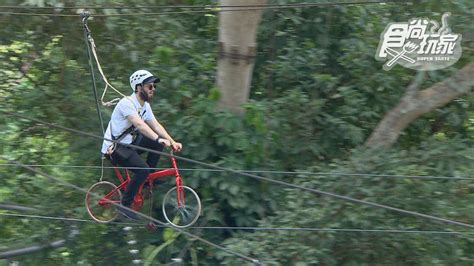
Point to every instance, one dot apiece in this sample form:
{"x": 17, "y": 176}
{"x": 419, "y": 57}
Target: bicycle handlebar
{"x": 171, "y": 150}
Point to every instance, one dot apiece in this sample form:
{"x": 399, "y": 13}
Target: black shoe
{"x": 127, "y": 213}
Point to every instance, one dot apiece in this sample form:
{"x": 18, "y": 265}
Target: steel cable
{"x": 295, "y": 5}
{"x": 215, "y": 9}
{"x": 323, "y": 174}
{"x": 312, "y": 190}
{"x": 67, "y": 184}
{"x": 255, "y": 228}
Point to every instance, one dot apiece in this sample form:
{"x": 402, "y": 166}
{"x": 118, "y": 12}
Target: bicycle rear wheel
{"x": 98, "y": 201}
{"x": 182, "y": 212}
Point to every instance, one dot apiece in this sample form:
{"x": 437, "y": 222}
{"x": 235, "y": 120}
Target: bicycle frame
{"x": 138, "y": 200}
{"x": 175, "y": 211}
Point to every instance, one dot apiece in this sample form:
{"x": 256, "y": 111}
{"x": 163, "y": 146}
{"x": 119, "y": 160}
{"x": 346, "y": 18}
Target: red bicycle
{"x": 181, "y": 205}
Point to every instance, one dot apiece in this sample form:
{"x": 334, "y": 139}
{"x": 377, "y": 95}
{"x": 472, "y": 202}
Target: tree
{"x": 237, "y": 50}
{"x": 416, "y": 103}
{"x": 316, "y": 95}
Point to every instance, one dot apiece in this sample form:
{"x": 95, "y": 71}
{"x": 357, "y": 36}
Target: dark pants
{"x": 129, "y": 157}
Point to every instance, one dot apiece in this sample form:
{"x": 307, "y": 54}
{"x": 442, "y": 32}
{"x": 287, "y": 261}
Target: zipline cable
{"x": 312, "y": 190}
{"x": 208, "y": 10}
{"x": 324, "y": 174}
{"x": 67, "y": 219}
{"x": 70, "y": 185}
{"x": 254, "y": 228}
{"x": 295, "y": 5}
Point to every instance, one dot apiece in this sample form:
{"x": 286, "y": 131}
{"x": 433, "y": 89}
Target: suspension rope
{"x": 261, "y": 178}
{"x": 254, "y": 228}
{"x": 92, "y": 47}
{"x": 216, "y": 9}
{"x": 102, "y": 160}
{"x": 322, "y": 174}
{"x": 149, "y": 218}
{"x": 89, "y": 41}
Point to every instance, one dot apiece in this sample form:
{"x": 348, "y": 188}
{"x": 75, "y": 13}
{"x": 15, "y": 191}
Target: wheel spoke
{"x": 184, "y": 212}
{"x": 106, "y": 212}
{"x": 174, "y": 202}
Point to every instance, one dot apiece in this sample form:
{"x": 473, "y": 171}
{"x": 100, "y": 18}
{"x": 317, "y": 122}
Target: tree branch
{"x": 417, "y": 103}
{"x": 412, "y": 89}
{"x": 39, "y": 247}
{"x": 31, "y": 249}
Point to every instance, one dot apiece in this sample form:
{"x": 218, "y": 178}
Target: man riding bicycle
{"x": 133, "y": 122}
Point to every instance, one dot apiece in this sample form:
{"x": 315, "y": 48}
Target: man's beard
{"x": 145, "y": 96}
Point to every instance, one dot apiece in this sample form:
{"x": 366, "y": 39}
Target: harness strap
{"x": 129, "y": 130}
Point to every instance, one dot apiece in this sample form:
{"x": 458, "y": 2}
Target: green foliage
{"x": 443, "y": 198}
{"x": 317, "y": 94}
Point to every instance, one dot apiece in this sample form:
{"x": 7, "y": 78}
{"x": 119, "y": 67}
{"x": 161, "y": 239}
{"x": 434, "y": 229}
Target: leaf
{"x": 157, "y": 250}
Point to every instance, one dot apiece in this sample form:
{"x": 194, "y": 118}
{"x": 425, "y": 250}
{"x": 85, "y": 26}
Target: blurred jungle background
{"x": 299, "y": 97}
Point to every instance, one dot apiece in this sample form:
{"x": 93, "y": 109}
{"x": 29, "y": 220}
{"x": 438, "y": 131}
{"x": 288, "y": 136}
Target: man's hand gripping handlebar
{"x": 176, "y": 146}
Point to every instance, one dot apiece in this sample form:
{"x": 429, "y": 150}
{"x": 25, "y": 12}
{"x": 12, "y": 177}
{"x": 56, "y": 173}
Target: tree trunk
{"x": 237, "y": 49}
{"x": 417, "y": 103}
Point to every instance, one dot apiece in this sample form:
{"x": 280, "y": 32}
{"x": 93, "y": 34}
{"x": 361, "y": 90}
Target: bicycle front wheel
{"x": 99, "y": 199}
{"x": 181, "y": 206}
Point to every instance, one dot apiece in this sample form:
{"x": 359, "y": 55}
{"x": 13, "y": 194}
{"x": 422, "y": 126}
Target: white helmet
{"x": 141, "y": 77}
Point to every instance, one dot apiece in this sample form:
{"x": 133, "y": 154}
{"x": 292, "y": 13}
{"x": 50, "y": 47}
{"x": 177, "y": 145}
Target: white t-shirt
{"x": 119, "y": 122}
